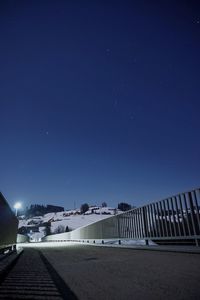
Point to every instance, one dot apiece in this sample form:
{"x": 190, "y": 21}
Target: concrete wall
{"x": 22, "y": 238}
{"x": 8, "y": 224}
{"x": 104, "y": 229}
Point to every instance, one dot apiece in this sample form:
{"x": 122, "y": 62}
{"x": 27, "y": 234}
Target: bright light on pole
{"x": 17, "y": 206}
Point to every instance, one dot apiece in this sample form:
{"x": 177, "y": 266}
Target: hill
{"x": 64, "y": 221}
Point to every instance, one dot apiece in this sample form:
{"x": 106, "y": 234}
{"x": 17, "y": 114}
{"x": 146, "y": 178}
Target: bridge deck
{"x": 32, "y": 277}
{"x": 103, "y": 273}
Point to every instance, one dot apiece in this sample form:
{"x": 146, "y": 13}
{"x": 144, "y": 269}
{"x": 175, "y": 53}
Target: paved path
{"x": 100, "y": 273}
{"x": 32, "y": 277}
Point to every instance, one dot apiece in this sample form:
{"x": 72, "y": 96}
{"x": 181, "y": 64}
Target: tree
{"x": 84, "y": 208}
{"x": 124, "y": 206}
{"x": 104, "y": 204}
{"x": 59, "y": 229}
{"x": 48, "y": 229}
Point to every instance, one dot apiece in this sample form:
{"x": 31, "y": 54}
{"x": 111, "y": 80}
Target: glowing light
{"x": 17, "y": 205}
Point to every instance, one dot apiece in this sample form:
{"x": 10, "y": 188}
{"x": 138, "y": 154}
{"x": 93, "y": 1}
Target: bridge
{"x": 82, "y": 265}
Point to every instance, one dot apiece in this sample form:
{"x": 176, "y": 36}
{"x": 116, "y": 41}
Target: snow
{"x": 74, "y": 222}
{"x": 107, "y": 243}
{"x": 130, "y": 242}
{"x": 37, "y": 236}
{"x": 70, "y": 218}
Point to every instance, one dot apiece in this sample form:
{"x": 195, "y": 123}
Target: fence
{"x": 172, "y": 220}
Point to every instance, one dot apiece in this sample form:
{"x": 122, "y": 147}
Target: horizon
{"x": 99, "y": 205}
{"x": 99, "y": 101}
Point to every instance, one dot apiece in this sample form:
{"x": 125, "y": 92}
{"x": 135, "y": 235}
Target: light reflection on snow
{"x": 112, "y": 242}
{"x": 45, "y": 245}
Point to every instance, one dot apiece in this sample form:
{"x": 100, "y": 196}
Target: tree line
{"x": 40, "y": 210}
{"x": 123, "y": 206}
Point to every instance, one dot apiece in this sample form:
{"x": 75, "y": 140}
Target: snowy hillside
{"x": 36, "y": 227}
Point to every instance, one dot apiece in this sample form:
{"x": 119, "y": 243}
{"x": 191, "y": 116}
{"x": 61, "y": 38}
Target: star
{"x": 115, "y": 103}
{"x": 131, "y": 116}
{"x": 107, "y": 51}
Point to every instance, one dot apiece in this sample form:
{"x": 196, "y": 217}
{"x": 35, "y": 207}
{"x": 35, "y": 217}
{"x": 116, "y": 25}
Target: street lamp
{"x": 17, "y": 206}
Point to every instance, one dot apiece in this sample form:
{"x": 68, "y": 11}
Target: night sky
{"x": 99, "y": 101}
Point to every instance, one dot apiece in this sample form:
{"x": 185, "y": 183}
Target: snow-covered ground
{"x": 107, "y": 243}
{"x": 76, "y": 221}
{"x": 65, "y": 221}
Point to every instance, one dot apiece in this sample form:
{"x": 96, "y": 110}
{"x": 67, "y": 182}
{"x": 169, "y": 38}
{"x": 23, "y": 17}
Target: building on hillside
{"x": 54, "y": 208}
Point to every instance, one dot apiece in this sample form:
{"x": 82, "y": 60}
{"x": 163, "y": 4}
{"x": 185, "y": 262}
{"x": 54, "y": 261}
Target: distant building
{"x": 54, "y": 208}
{"x": 28, "y": 229}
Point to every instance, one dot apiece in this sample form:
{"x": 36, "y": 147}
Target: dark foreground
{"x": 107, "y": 273}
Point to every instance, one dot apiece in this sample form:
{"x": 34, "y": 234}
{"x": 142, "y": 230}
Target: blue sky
{"x": 99, "y": 101}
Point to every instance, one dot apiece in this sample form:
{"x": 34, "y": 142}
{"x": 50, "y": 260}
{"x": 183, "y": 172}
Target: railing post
{"x": 118, "y": 226}
{"x": 101, "y": 229}
{"x": 193, "y": 217}
{"x": 145, "y": 225}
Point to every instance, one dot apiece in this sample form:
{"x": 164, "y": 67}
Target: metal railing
{"x": 175, "y": 219}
